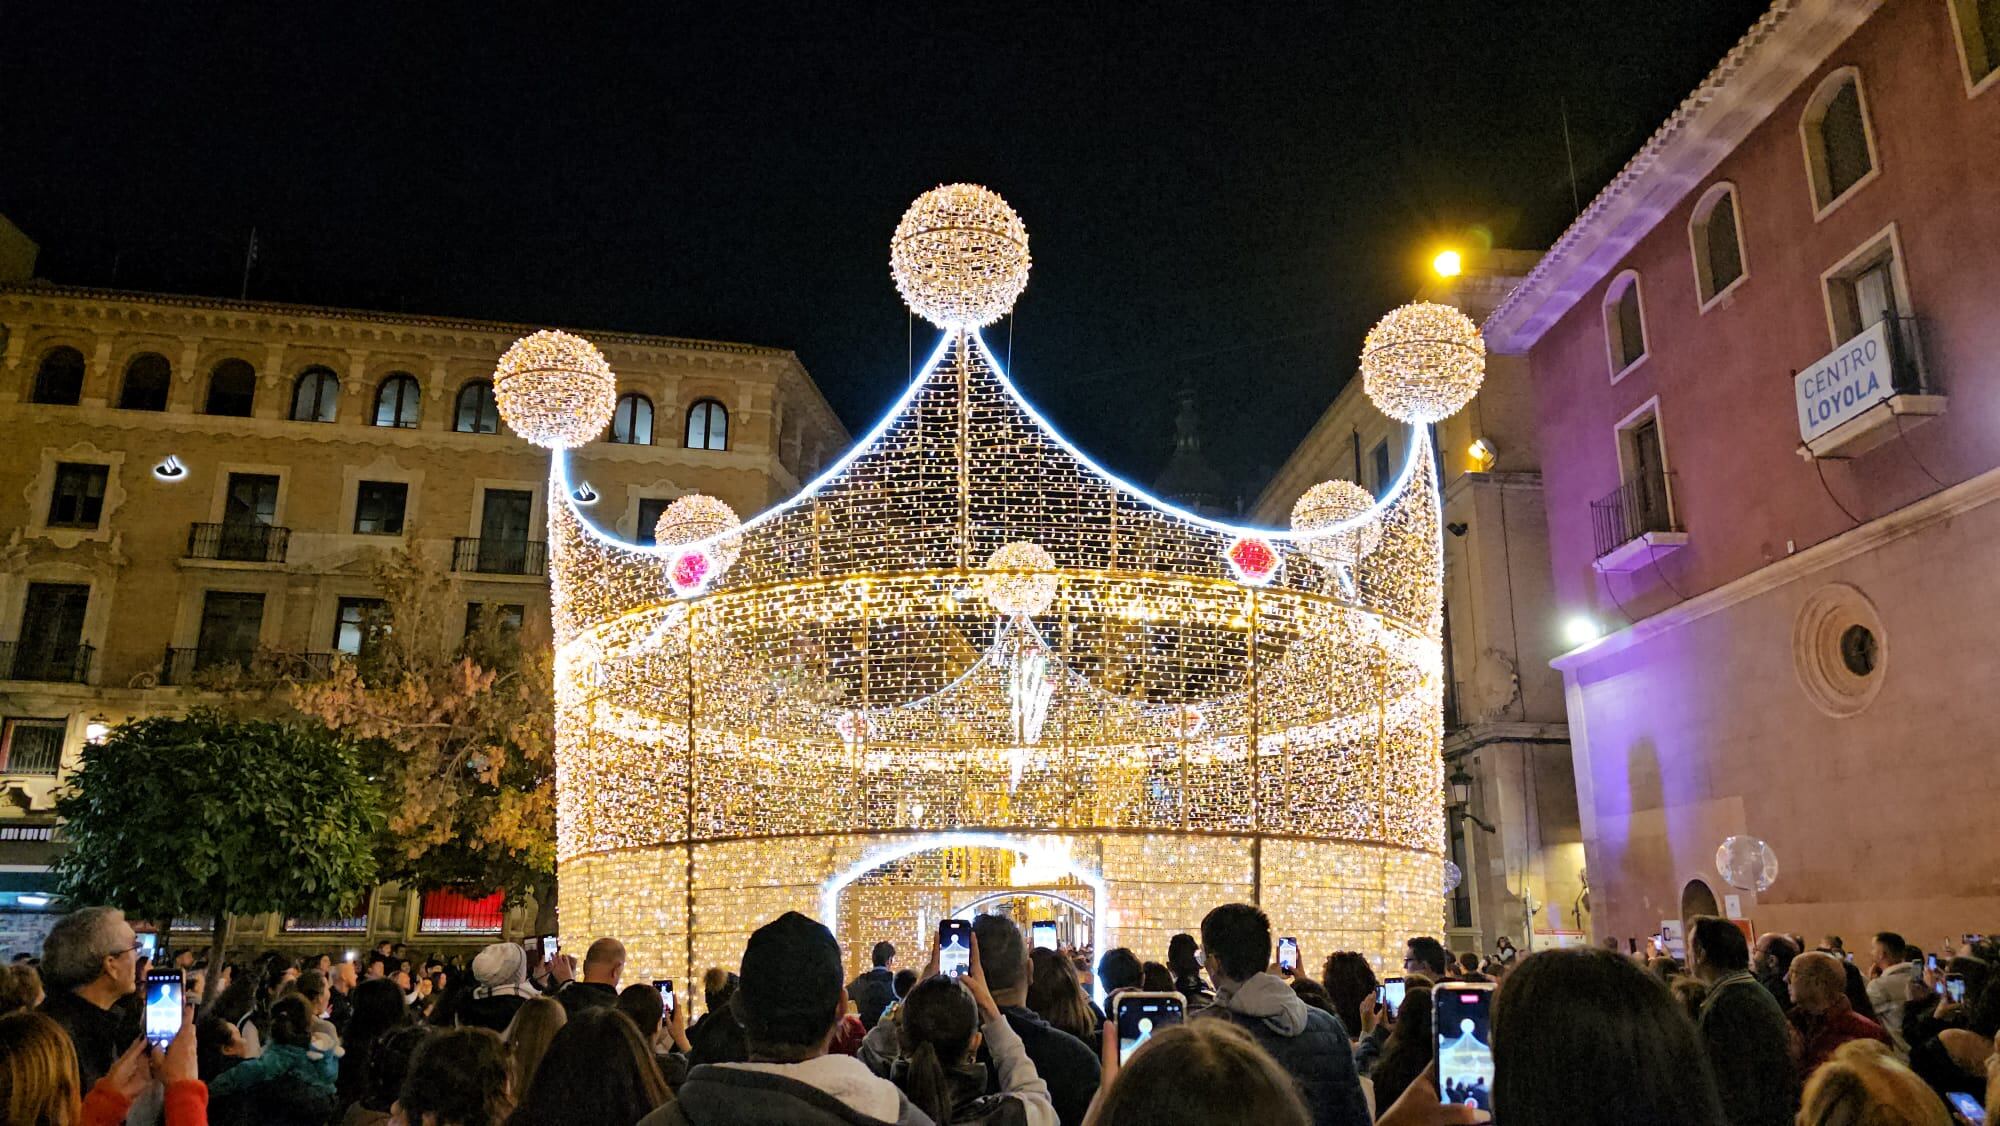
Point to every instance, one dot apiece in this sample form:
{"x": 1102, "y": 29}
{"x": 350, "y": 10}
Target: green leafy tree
{"x": 212, "y": 815}
{"x": 460, "y": 736}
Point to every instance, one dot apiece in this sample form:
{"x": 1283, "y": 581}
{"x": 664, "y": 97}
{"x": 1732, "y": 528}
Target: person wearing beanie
{"x": 501, "y": 974}
{"x": 790, "y": 1001}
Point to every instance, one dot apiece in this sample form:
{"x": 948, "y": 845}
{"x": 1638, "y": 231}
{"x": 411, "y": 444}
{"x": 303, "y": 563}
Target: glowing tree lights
{"x": 1423, "y": 362}
{"x": 966, "y": 654}
{"x": 555, "y": 389}
{"x": 960, "y": 256}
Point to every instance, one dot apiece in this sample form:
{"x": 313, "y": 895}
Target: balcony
{"x": 1870, "y": 390}
{"x": 50, "y": 664}
{"x": 238, "y": 543}
{"x": 499, "y": 557}
{"x": 1634, "y": 525}
{"x": 229, "y": 668}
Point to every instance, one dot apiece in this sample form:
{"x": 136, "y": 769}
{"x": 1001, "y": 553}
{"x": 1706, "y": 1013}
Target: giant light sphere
{"x": 1330, "y": 503}
{"x": 960, "y": 256}
{"x": 555, "y": 389}
{"x": 1423, "y": 362}
{"x": 1019, "y": 596}
{"x": 695, "y": 517}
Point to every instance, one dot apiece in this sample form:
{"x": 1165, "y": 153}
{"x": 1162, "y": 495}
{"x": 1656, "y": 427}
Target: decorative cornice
{"x": 331, "y": 313}
{"x": 1785, "y": 45}
{"x": 1941, "y": 506}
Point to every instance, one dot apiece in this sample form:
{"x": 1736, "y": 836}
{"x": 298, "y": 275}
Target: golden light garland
{"x": 960, "y": 256}
{"x": 555, "y": 389}
{"x": 967, "y": 629}
{"x": 1423, "y": 362}
{"x": 1326, "y": 505}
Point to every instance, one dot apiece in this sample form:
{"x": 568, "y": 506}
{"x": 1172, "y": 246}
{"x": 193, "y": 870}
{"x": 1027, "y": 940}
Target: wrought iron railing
{"x": 34, "y": 747}
{"x": 488, "y": 556}
{"x": 1632, "y": 510}
{"x": 59, "y": 664}
{"x": 238, "y": 542}
{"x": 184, "y": 667}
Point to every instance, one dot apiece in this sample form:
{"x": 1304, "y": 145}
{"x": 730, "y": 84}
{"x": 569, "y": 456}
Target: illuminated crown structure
{"x": 966, "y": 636}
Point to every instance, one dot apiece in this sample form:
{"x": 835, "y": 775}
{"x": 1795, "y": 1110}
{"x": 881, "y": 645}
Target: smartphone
{"x": 666, "y": 987}
{"x": 1464, "y": 1019}
{"x": 1930, "y": 962}
{"x": 954, "y": 947}
{"x": 1973, "y": 939}
{"x": 550, "y": 947}
{"x": 1288, "y": 954}
{"x": 1140, "y": 1015}
{"x": 1392, "y": 994}
{"x": 1954, "y": 988}
{"x": 1043, "y": 934}
{"x": 1968, "y": 1108}
{"x": 164, "y": 991}
{"x": 149, "y": 944}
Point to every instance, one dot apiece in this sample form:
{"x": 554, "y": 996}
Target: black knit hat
{"x": 791, "y": 988}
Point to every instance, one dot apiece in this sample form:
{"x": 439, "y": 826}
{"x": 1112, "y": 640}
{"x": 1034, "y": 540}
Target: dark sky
{"x": 1225, "y": 194}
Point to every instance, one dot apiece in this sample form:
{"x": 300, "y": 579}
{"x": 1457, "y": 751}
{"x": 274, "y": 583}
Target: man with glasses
{"x": 1426, "y": 955}
{"x": 89, "y": 961}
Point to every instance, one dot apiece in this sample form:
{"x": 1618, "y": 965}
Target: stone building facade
{"x": 192, "y": 484}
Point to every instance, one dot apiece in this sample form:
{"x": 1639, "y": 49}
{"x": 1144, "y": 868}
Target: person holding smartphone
{"x": 1236, "y": 946}
{"x": 942, "y": 1025}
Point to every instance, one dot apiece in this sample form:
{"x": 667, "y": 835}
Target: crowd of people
{"x": 1739, "y": 1034}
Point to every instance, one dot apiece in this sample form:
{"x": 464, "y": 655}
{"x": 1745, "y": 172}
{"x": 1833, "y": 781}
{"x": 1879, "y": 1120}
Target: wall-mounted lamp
{"x": 170, "y": 469}
{"x": 1483, "y": 453}
{"x": 96, "y": 730}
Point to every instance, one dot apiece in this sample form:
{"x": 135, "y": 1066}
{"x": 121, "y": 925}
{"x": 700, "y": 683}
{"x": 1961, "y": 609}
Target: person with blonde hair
{"x": 20, "y": 988}
{"x": 527, "y": 1037}
{"x": 39, "y": 1084}
{"x": 1864, "y": 1084}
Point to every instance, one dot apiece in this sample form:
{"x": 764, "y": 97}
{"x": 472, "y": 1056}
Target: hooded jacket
{"x": 831, "y": 1090}
{"x": 1308, "y": 1043}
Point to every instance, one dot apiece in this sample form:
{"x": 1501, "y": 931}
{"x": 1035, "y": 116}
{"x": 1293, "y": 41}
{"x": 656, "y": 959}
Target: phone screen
{"x": 1954, "y": 988}
{"x": 1392, "y": 994}
{"x": 954, "y": 947}
{"x": 550, "y": 947}
{"x": 1968, "y": 1108}
{"x": 1465, "y": 1043}
{"x": 163, "y": 1006}
{"x": 1044, "y": 934}
{"x": 1288, "y": 953}
{"x": 1140, "y": 1015}
{"x": 666, "y": 987}
{"x": 1930, "y": 961}
{"x": 149, "y": 944}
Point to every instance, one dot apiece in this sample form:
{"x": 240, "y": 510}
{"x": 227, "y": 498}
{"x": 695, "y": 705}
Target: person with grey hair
{"x": 90, "y": 960}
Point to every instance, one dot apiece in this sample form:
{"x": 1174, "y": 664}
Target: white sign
{"x": 1846, "y": 382}
{"x": 1732, "y": 906}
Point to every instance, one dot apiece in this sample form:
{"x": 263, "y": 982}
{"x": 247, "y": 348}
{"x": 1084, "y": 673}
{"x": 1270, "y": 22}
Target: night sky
{"x": 1224, "y": 195}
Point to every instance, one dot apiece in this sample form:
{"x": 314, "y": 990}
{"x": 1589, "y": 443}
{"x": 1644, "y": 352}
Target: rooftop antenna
{"x": 1569, "y": 153}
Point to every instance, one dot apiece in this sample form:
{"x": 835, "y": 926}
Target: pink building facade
{"x": 1767, "y": 371}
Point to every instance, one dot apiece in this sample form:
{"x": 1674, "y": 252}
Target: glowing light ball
{"x": 1747, "y": 863}
{"x": 960, "y": 256}
{"x": 1330, "y": 503}
{"x": 1423, "y": 362}
{"x": 555, "y": 389}
{"x": 1019, "y": 595}
{"x": 696, "y": 517}
{"x": 1453, "y": 876}
{"x": 1253, "y": 561}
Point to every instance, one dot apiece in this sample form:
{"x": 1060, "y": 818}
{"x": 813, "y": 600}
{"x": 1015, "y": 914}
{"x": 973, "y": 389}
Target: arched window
{"x": 147, "y": 378}
{"x": 316, "y": 396}
{"x": 708, "y": 426}
{"x": 398, "y": 401}
{"x": 632, "y": 422}
{"x": 59, "y": 379}
{"x": 1840, "y": 150}
{"x": 1624, "y": 324}
{"x": 232, "y": 389}
{"x": 1717, "y": 238}
{"x": 477, "y": 413}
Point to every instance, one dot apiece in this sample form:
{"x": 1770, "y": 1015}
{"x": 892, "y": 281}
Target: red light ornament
{"x": 1253, "y": 561}
{"x": 690, "y": 572}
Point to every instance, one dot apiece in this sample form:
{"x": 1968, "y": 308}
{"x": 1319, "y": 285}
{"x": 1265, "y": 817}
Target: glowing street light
{"x": 1580, "y": 630}
{"x": 1448, "y": 264}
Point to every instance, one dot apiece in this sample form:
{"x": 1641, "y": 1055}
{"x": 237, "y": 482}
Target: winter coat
{"x": 1022, "y": 1098}
{"x": 283, "y": 1086}
{"x": 822, "y": 1091}
{"x": 1822, "y": 1035}
{"x": 1067, "y": 1065}
{"x": 1308, "y": 1043}
{"x": 1750, "y": 1050}
{"x": 871, "y": 993}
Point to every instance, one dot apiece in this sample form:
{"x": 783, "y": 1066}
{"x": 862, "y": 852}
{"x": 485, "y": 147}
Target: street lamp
{"x": 1448, "y": 264}
{"x": 1458, "y": 790}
